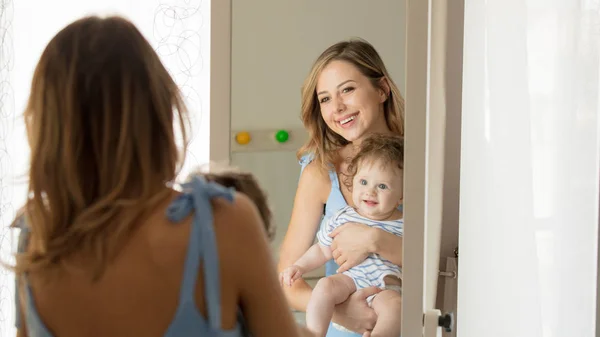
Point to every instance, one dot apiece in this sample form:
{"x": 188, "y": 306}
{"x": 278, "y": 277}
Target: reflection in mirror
{"x": 274, "y": 47}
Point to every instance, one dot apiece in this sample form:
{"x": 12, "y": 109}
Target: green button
{"x": 282, "y": 136}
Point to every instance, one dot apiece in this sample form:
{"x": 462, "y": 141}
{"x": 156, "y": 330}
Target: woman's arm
{"x": 352, "y": 242}
{"x": 313, "y": 189}
{"x": 262, "y": 301}
{"x": 388, "y": 245}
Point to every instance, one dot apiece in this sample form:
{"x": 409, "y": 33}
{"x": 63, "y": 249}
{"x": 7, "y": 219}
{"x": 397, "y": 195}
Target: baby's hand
{"x": 289, "y": 275}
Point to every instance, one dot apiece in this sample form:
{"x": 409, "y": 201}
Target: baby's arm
{"x": 314, "y": 257}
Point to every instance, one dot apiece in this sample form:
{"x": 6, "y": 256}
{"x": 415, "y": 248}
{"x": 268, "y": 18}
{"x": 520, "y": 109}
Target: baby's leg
{"x": 388, "y": 306}
{"x": 328, "y": 292}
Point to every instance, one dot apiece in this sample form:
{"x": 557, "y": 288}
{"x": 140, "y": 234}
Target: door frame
{"x": 220, "y": 81}
{"x": 418, "y": 18}
{"x": 433, "y": 96}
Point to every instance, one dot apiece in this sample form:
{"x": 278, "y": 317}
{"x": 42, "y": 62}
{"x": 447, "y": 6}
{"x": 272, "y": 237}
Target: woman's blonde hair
{"x": 323, "y": 143}
{"x": 101, "y": 125}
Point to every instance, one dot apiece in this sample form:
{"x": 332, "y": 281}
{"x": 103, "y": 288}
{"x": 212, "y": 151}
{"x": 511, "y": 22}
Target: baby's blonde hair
{"x": 387, "y": 149}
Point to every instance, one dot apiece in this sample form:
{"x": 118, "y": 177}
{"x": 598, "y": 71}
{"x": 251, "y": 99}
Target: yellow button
{"x": 243, "y": 138}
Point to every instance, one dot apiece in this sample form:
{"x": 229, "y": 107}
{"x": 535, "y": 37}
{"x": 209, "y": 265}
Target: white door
{"x": 529, "y": 166}
{"x": 529, "y": 169}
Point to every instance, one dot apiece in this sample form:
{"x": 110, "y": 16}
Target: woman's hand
{"x": 355, "y": 314}
{"x": 352, "y": 243}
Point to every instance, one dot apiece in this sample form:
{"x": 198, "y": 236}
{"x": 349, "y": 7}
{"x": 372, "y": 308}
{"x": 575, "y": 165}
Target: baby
{"x": 245, "y": 183}
{"x": 376, "y": 181}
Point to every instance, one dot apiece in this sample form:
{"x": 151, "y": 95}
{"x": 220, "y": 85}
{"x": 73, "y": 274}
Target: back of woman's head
{"x": 100, "y": 121}
{"x": 323, "y": 141}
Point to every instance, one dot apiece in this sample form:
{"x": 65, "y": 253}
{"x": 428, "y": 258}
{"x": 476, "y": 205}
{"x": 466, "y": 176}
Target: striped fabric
{"x": 374, "y": 268}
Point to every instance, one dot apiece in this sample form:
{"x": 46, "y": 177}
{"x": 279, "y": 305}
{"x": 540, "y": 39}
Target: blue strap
{"x": 305, "y": 160}
{"x": 196, "y": 197}
{"x": 177, "y": 211}
{"x": 334, "y": 179}
{"x": 308, "y": 158}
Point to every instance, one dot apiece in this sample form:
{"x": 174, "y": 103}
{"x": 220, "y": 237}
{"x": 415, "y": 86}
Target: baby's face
{"x": 377, "y": 190}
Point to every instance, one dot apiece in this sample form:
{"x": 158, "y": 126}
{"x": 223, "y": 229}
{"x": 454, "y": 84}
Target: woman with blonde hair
{"x": 107, "y": 247}
{"x": 347, "y": 96}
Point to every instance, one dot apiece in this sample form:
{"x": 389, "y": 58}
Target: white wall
{"x": 9, "y": 161}
{"x": 179, "y": 31}
{"x": 529, "y": 169}
{"x": 275, "y": 42}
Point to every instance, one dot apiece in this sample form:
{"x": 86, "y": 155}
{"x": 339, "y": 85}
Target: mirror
{"x": 273, "y": 49}
{"x": 274, "y": 45}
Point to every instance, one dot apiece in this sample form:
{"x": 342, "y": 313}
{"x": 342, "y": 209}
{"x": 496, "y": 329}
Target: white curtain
{"x": 178, "y": 29}
{"x": 529, "y": 168}
{"x": 11, "y": 193}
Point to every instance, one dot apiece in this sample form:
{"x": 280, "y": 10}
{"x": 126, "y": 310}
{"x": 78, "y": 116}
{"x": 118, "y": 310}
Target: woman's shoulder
{"x": 237, "y": 224}
{"x": 202, "y": 203}
{"x": 306, "y": 159}
{"x": 315, "y": 179}
{"x": 312, "y": 167}
{"x": 238, "y": 212}
{"x": 224, "y": 201}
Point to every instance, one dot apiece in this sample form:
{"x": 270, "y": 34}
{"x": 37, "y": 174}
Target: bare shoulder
{"x": 314, "y": 170}
{"x": 230, "y": 221}
{"x": 315, "y": 180}
{"x": 241, "y": 208}
{"x": 239, "y": 229}
{"x": 237, "y": 222}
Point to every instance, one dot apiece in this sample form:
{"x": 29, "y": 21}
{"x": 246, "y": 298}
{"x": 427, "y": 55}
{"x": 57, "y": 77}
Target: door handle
{"x": 446, "y": 321}
{"x": 434, "y": 322}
